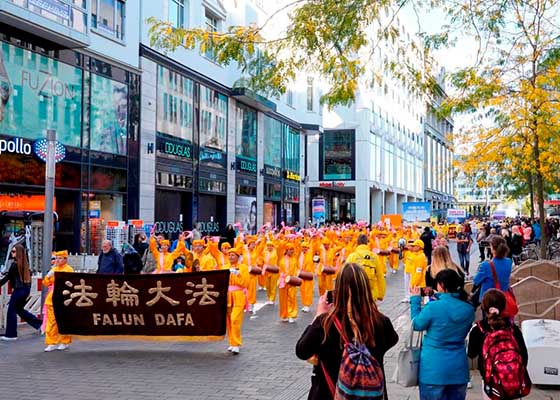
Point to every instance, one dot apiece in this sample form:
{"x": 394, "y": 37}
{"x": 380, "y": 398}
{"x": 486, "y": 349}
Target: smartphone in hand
{"x": 330, "y": 297}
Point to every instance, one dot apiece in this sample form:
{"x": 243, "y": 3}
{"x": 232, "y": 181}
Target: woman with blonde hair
{"x": 441, "y": 260}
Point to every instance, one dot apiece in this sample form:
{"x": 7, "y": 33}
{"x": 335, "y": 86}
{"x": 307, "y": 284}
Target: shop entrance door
{"x": 173, "y": 212}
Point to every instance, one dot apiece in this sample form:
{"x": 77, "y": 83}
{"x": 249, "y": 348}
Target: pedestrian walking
{"x": 109, "y": 261}
{"x": 353, "y": 309}
{"x": 444, "y": 369}
{"x": 19, "y": 277}
{"x": 464, "y": 243}
{"x": 427, "y": 237}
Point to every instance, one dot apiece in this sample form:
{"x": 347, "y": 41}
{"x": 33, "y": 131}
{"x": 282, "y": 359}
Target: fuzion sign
{"x": 15, "y": 146}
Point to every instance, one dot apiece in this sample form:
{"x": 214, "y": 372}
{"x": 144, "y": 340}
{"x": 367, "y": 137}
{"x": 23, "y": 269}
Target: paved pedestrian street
{"x": 267, "y": 367}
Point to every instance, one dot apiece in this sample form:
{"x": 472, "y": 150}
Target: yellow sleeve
{"x": 381, "y": 283}
{"x": 153, "y": 247}
{"x": 214, "y": 251}
{"x": 242, "y": 279}
{"x": 48, "y": 280}
{"x": 180, "y": 249}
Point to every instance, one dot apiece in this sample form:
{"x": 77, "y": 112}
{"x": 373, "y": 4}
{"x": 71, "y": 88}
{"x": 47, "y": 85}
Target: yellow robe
{"x": 416, "y": 264}
{"x": 287, "y": 294}
{"x": 52, "y": 336}
{"x": 375, "y": 275}
{"x": 236, "y": 303}
{"x": 164, "y": 261}
{"x": 271, "y": 280}
{"x": 306, "y": 289}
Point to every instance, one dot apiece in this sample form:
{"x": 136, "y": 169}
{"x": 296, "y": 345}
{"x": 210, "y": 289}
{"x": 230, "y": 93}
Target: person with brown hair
{"x": 493, "y": 304}
{"x": 19, "y": 277}
{"x": 354, "y": 308}
{"x": 441, "y": 260}
{"x": 499, "y": 262}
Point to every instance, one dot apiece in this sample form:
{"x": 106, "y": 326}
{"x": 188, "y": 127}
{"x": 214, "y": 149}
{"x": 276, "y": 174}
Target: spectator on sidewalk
{"x": 356, "y": 311}
{"x": 502, "y": 264}
{"x": 464, "y": 243}
{"x": 109, "y": 261}
{"x": 440, "y": 262}
{"x": 140, "y": 244}
{"x": 19, "y": 277}
{"x": 444, "y": 369}
{"x": 427, "y": 237}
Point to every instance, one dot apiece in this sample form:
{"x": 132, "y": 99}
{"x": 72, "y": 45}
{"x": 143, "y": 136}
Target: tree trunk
{"x": 531, "y": 196}
{"x": 539, "y": 183}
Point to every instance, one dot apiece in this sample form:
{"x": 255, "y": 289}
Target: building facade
{"x": 71, "y": 66}
{"x": 369, "y": 159}
{"x": 218, "y": 154}
{"x": 438, "y": 155}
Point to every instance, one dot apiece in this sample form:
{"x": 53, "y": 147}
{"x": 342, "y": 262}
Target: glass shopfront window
{"x": 273, "y": 191}
{"x": 109, "y": 115}
{"x": 291, "y": 149}
{"x": 338, "y": 155}
{"x": 246, "y": 133}
{"x": 175, "y": 104}
{"x": 273, "y": 142}
{"x": 291, "y": 194}
{"x": 213, "y": 119}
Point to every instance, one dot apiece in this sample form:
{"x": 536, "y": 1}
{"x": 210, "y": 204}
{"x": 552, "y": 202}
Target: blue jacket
{"x": 447, "y": 321}
{"x": 110, "y": 263}
{"x": 537, "y": 231}
{"x": 485, "y": 278}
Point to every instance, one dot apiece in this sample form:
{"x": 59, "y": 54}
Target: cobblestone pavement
{"x": 266, "y": 369}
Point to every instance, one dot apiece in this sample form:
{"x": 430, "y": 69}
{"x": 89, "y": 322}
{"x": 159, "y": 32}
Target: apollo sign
{"x": 39, "y": 147}
{"x": 15, "y": 146}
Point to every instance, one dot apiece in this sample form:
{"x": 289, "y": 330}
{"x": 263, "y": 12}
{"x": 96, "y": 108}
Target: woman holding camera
{"x": 354, "y": 308}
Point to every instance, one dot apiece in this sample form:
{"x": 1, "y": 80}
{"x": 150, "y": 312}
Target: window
{"x": 310, "y": 94}
{"x": 338, "y": 155}
{"x": 107, "y": 16}
{"x": 212, "y": 25}
{"x": 246, "y": 133}
{"x": 290, "y": 97}
{"x": 176, "y": 15}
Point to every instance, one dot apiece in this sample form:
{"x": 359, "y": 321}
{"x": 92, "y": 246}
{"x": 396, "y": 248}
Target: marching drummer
{"x": 237, "y": 298}
{"x": 287, "y": 293}
{"x": 306, "y": 265}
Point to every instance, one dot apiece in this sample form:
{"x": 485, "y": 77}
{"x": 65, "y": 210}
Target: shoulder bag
{"x": 511, "y": 309}
{"x": 408, "y": 362}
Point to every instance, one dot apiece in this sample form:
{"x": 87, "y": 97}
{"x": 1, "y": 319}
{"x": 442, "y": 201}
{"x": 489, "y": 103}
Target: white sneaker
{"x": 251, "y": 308}
{"x": 235, "y": 350}
{"x": 8, "y": 339}
{"x": 394, "y": 271}
{"x": 63, "y": 346}
{"x": 305, "y": 309}
{"x": 269, "y": 303}
{"x": 284, "y": 320}
{"x": 230, "y": 348}
{"x": 405, "y": 300}
{"x": 51, "y": 347}
{"x": 291, "y": 320}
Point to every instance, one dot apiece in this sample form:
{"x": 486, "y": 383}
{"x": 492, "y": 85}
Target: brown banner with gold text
{"x": 189, "y": 306}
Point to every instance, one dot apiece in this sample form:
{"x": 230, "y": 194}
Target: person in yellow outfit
{"x": 383, "y": 244}
{"x": 221, "y": 256}
{"x": 53, "y": 339}
{"x": 306, "y": 264}
{"x": 205, "y": 260}
{"x": 271, "y": 279}
{"x": 415, "y": 265}
{"x": 327, "y": 253}
{"x": 237, "y": 298}
{"x": 287, "y": 294}
{"x": 369, "y": 261}
{"x": 251, "y": 252}
{"x": 164, "y": 258}
{"x": 394, "y": 256}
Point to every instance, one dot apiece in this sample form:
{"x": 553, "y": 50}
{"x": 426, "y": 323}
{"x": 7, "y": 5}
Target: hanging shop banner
{"x": 419, "y": 211}
{"x": 246, "y": 213}
{"x": 17, "y": 202}
{"x": 182, "y": 307}
{"x": 318, "y": 210}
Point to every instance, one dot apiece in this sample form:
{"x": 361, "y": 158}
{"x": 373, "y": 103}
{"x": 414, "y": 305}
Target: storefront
{"x": 246, "y": 168}
{"x": 339, "y": 205}
{"x": 272, "y": 171}
{"x": 94, "y": 108}
{"x": 292, "y": 178}
{"x": 174, "y": 156}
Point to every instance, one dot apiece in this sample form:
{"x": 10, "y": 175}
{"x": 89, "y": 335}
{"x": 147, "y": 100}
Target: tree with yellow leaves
{"x": 514, "y": 89}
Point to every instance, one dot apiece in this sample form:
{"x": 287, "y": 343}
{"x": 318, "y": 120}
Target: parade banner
{"x": 318, "y": 210}
{"x": 456, "y": 214}
{"x": 181, "y": 307}
{"x": 417, "y": 211}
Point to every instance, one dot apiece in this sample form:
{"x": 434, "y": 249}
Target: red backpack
{"x": 505, "y": 375}
{"x": 360, "y": 376}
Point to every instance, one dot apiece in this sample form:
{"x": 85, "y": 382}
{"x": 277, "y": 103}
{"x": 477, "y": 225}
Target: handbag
{"x": 408, "y": 362}
{"x": 511, "y": 309}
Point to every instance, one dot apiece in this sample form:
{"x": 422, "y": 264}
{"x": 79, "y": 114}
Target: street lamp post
{"x": 50, "y": 168}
